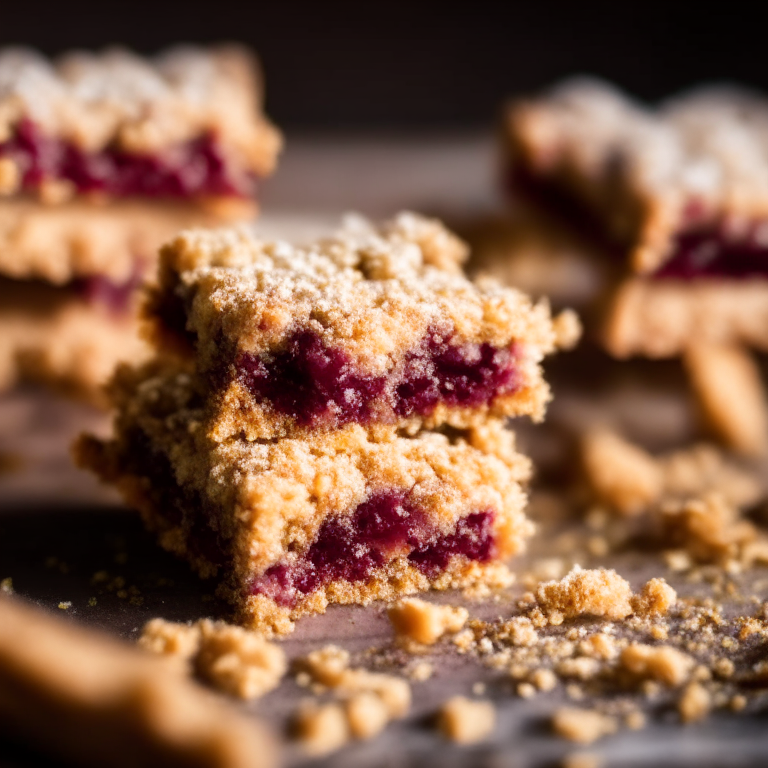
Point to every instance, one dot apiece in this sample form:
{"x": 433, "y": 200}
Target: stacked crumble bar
{"x": 679, "y": 197}
{"x": 325, "y": 424}
{"x": 682, "y": 190}
{"x": 102, "y": 158}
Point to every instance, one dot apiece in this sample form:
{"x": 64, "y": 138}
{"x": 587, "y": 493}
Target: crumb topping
{"x": 138, "y": 104}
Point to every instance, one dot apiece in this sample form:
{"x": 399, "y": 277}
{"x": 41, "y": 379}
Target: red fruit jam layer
{"x": 318, "y": 384}
{"x": 386, "y": 526}
{"x": 197, "y": 168}
{"x": 711, "y": 251}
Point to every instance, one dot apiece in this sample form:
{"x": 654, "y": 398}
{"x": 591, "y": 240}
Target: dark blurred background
{"x": 404, "y": 65}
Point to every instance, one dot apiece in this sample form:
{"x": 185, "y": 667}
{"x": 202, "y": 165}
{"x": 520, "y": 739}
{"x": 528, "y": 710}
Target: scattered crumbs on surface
{"x": 466, "y": 721}
{"x": 65, "y": 605}
{"x": 6, "y": 586}
{"x": 91, "y": 602}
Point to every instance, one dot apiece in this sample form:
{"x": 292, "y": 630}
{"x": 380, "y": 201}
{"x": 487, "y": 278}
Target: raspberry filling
{"x": 711, "y": 251}
{"x": 194, "y": 168}
{"x": 386, "y": 526}
{"x": 318, "y": 384}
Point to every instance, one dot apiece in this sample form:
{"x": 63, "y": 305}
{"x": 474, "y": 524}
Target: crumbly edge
{"x": 48, "y": 336}
{"x": 265, "y": 500}
{"x": 64, "y": 684}
{"x": 143, "y": 105}
{"x": 659, "y": 319}
{"x": 76, "y": 239}
{"x": 637, "y": 169}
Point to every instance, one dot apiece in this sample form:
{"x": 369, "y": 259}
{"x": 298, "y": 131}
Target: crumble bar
{"x": 345, "y": 516}
{"x": 682, "y": 188}
{"x": 374, "y": 326}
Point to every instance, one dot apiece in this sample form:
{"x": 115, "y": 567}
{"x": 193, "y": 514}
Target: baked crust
{"x": 646, "y": 174}
{"x": 373, "y": 294}
{"x": 50, "y": 336}
{"x": 265, "y": 502}
{"x": 86, "y": 697}
{"x": 662, "y": 318}
{"x": 141, "y": 105}
{"x": 77, "y": 239}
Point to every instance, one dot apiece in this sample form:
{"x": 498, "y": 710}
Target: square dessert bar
{"x": 377, "y": 325}
{"x": 342, "y": 516}
{"x": 682, "y": 190}
{"x": 106, "y": 128}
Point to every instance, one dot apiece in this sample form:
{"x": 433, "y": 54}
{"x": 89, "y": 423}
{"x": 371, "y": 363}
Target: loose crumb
{"x": 694, "y": 704}
{"x": 6, "y": 586}
{"x": 421, "y": 672}
{"x": 663, "y": 664}
{"x": 65, "y": 605}
{"x": 232, "y": 659}
{"x": 654, "y": 599}
{"x": 582, "y": 760}
{"x": 237, "y": 661}
{"x": 321, "y": 728}
{"x": 583, "y": 726}
{"x": 466, "y": 721}
{"x": 600, "y": 593}
{"x": 423, "y": 622}
{"x": 367, "y": 715}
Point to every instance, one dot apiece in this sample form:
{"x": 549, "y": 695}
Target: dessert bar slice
{"x": 113, "y": 128}
{"x": 377, "y": 325}
{"x": 683, "y": 189}
{"x": 342, "y": 516}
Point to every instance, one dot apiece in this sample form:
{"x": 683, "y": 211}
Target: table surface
{"x": 58, "y": 526}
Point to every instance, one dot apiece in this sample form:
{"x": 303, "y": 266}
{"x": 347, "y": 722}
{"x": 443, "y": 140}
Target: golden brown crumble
{"x": 694, "y": 704}
{"x": 664, "y": 664}
{"x": 423, "y": 622}
{"x": 367, "y": 714}
{"x": 466, "y": 721}
{"x": 601, "y": 593}
{"x": 321, "y": 728}
{"x": 232, "y": 659}
{"x": 583, "y": 726}
{"x": 654, "y": 599}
